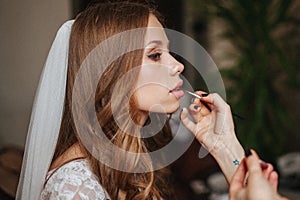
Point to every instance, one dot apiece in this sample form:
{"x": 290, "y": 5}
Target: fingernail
{"x": 204, "y": 95}
{"x": 196, "y": 107}
{"x": 248, "y": 152}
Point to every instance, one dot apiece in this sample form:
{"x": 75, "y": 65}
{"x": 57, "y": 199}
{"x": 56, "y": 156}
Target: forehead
{"x": 155, "y": 31}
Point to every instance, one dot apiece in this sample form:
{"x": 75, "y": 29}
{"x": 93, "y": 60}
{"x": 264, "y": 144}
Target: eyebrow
{"x": 157, "y": 42}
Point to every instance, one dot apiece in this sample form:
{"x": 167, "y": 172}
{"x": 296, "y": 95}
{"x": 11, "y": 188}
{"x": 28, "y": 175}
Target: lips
{"x": 176, "y": 90}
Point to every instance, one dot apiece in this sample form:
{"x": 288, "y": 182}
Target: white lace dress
{"x": 74, "y": 180}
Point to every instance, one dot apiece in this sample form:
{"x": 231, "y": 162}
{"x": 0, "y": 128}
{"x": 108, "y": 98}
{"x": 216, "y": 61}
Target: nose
{"x": 176, "y": 67}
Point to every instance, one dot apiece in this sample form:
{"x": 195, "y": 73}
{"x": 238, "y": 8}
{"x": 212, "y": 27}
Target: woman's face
{"x": 158, "y": 82}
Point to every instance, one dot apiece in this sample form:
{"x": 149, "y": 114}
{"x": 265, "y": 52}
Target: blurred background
{"x": 255, "y": 44}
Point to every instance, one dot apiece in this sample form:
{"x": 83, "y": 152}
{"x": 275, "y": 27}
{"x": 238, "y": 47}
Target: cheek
{"x": 149, "y": 95}
{"x": 155, "y": 74}
{"x": 155, "y": 98}
{"x": 153, "y": 87}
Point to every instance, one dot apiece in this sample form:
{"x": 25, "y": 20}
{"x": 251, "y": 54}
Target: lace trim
{"x": 73, "y": 180}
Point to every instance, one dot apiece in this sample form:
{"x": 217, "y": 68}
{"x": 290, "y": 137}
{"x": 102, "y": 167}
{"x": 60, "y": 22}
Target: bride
{"x": 68, "y": 157}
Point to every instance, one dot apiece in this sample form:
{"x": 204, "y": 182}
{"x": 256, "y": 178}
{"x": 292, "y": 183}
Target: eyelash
{"x": 154, "y": 56}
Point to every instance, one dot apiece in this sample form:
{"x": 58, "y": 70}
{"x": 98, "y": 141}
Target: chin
{"x": 167, "y": 109}
{"x": 173, "y": 108}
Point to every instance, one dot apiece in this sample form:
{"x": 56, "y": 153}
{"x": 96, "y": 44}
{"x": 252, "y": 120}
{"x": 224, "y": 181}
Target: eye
{"x": 155, "y": 56}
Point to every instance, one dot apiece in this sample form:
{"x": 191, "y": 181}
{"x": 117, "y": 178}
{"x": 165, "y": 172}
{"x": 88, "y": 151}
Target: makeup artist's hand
{"x": 210, "y": 128}
{"x": 215, "y": 131}
{"x": 258, "y": 187}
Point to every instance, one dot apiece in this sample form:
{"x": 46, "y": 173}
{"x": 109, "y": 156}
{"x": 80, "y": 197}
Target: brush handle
{"x": 209, "y": 108}
{"x": 206, "y": 105}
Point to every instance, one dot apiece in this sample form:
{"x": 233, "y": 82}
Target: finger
{"x": 254, "y": 153}
{"x": 202, "y": 129}
{"x": 267, "y": 171}
{"x": 195, "y": 111}
{"x": 201, "y": 94}
{"x": 263, "y": 165}
{"x": 198, "y": 111}
{"x": 198, "y": 129}
{"x": 205, "y": 107}
{"x": 274, "y": 180}
{"x": 205, "y": 104}
{"x": 221, "y": 109}
{"x": 215, "y": 100}
{"x": 253, "y": 164}
{"x": 238, "y": 178}
{"x": 186, "y": 121}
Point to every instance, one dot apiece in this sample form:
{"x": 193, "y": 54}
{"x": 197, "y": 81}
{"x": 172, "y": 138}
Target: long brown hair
{"x": 97, "y": 23}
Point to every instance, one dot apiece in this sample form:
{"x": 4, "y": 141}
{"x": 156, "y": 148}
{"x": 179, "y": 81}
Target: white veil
{"x": 45, "y": 118}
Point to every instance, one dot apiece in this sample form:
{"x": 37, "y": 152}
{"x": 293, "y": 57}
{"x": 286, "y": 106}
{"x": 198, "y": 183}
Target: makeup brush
{"x": 208, "y": 107}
